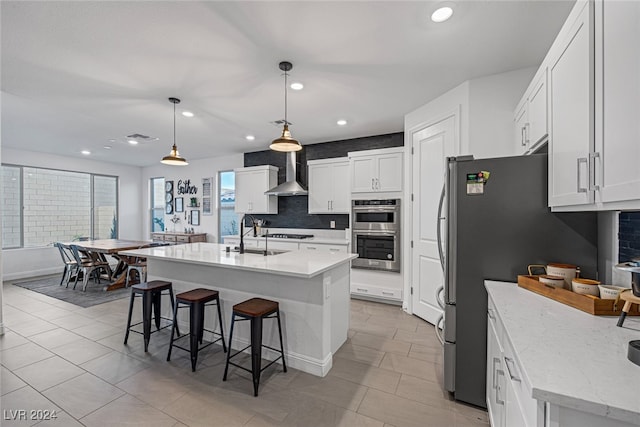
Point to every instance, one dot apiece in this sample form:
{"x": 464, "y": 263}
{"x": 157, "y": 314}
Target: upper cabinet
{"x": 251, "y": 183}
{"x": 376, "y": 171}
{"x": 531, "y": 115}
{"x": 571, "y": 79}
{"x": 592, "y": 74}
{"x": 329, "y": 186}
{"x": 617, "y": 151}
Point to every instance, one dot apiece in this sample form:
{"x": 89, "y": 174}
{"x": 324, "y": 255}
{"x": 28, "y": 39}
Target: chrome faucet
{"x": 242, "y": 233}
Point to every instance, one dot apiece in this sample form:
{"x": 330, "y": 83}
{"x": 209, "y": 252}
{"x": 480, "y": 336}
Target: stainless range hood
{"x": 290, "y": 187}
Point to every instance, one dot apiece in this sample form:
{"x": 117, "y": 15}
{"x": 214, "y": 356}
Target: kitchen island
{"x": 312, "y": 288}
{"x": 552, "y": 365}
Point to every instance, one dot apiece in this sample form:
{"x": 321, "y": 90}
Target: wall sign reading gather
{"x": 185, "y": 187}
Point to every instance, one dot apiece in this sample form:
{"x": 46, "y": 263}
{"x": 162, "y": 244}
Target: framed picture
{"x": 179, "y": 204}
{"x": 195, "y": 217}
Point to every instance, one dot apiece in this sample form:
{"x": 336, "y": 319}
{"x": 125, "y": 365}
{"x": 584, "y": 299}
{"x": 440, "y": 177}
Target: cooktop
{"x": 289, "y": 236}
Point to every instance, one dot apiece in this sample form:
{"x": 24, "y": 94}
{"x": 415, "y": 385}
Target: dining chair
{"x": 70, "y": 264}
{"x": 89, "y": 266}
{"x": 139, "y": 264}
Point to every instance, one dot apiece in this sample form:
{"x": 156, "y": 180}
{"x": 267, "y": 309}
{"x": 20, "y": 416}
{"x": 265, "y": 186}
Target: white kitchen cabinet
{"x": 571, "y": 133}
{"x": 495, "y": 373}
{"x": 329, "y": 186}
{"x": 376, "y": 171}
{"x": 323, "y": 247}
{"x": 251, "y": 183}
{"x": 617, "y": 101}
{"x": 531, "y": 114}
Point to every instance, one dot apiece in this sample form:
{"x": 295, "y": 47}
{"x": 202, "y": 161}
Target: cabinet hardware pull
{"x": 490, "y": 314}
{"x": 526, "y": 133}
{"x": 522, "y": 139}
{"x": 312, "y": 248}
{"x": 495, "y": 373}
{"x": 586, "y": 162}
{"x": 387, "y": 293}
{"x": 377, "y": 183}
{"x": 361, "y": 290}
{"x": 508, "y": 361}
{"x": 373, "y": 180}
{"x": 498, "y": 401}
{"x": 592, "y": 171}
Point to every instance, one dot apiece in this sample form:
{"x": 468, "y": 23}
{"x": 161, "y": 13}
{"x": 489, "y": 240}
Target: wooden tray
{"x": 586, "y": 303}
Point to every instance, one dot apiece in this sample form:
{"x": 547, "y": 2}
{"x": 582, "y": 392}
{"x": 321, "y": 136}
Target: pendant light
{"x": 174, "y": 157}
{"x": 285, "y": 142}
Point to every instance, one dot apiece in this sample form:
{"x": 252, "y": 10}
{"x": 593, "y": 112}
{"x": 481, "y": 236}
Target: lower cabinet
{"x": 179, "y": 237}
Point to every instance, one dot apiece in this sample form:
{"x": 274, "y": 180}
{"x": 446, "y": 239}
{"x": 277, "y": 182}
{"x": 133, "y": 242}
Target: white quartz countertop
{"x": 571, "y": 358}
{"x": 300, "y": 263}
{"x": 311, "y": 240}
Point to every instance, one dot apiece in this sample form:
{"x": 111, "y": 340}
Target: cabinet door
{"x": 513, "y": 415}
{"x": 341, "y": 198}
{"x": 520, "y": 128}
{"x": 620, "y": 144}
{"x": 571, "y": 132}
{"x": 362, "y": 174}
{"x": 537, "y": 124}
{"x": 495, "y": 377}
{"x": 320, "y": 188}
{"x": 244, "y": 192}
{"x": 389, "y": 176}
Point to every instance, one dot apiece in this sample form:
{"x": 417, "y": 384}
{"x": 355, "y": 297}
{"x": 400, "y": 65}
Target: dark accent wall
{"x": 292, "y": 210}
{"x": 629, "y": 236}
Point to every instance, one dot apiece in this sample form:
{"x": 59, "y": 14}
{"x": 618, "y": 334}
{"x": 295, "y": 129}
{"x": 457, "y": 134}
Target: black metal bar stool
{"x": 255, "y": 310}
{"x": 196, "y": 300}
{"x": 151, "y": 293}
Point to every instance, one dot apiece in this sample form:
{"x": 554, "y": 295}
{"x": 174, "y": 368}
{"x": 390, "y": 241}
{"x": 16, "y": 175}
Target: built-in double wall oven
{"x": 375, "y": 228}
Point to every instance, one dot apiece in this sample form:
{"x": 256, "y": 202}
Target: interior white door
{"x": 431, "y": 146}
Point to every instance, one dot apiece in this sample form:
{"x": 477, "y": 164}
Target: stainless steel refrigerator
{"x": 498, "y": 222}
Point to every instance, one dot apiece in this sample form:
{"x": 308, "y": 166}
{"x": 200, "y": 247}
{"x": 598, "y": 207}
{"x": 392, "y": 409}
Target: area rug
{"x": 94, "y": 294}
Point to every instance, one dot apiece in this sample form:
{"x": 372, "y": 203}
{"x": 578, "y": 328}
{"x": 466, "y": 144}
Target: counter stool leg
{"x": 126, "y": 335}
{"x": 173, "y": 308}
{"x": 174, "y": 327}
{"x": 156, "y": 297}
{"x": 284, "y": 365}
{"x": 224, "y": 346}
{"x": 226, "y": 366}
{"x": 195, "y": 326}
{"x": 146, "y": 319}
{"x": 201, "y": 322}
{"x": 256, "y": 351}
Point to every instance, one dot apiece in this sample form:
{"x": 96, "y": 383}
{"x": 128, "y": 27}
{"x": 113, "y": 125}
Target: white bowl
{"x": 555, "y": 281}
{"x": 585, "y": 286}
{"x": 610, "y": 291}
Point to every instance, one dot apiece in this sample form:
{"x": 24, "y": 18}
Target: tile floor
{"x": 62, "y": 359}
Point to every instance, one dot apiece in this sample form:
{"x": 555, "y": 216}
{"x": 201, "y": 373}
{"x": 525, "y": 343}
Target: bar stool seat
{"x": 629, "y": 299}
{"x": 151, "y": 293}
{"x": 255, "y": 309}
{"x": 196, "y": 300}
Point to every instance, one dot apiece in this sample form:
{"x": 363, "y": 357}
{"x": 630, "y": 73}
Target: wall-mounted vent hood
{"x": 290, "y": 187}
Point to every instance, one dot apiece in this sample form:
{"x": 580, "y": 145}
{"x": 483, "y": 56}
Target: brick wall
{"x": 629, "y": 236}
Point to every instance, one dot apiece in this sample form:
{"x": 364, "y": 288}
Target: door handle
{"x": 592, "y": 171}
{"x": 507, "y": 361}
{"x": 586, "y": 162}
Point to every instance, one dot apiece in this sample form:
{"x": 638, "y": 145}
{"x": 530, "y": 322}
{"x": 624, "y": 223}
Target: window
{"x": 157, "y": 204}
{"x": 42, "y": 206}
{"x": 227, "y": 218}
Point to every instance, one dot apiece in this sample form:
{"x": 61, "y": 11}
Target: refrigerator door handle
{"x": 439, "y": 300}
{"x": 438, "y": 227}
{"x": 438, "y": 328}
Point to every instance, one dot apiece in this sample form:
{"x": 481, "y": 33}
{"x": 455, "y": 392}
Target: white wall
{"x": 195, "y": 171}
{"x": 492, "y": 101}
{"x": 29, "y": 262}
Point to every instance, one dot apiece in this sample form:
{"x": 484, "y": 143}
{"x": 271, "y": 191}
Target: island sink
{"x": 261, "y": 251}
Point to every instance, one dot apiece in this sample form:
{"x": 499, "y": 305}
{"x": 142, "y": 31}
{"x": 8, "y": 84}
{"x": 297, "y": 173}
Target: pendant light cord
{"x": 286, "y": 122}
{"x": 174, "y": 125}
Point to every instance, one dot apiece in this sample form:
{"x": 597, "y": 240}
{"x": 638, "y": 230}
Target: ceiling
{"x": 81, "y": 75}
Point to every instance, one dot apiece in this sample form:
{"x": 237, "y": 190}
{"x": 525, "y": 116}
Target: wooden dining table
{"x": 113, "y": 247}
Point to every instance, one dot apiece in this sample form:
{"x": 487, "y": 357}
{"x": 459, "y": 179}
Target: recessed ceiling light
{"x": 187, "y": 113}
{"x": 86, "y": 152}
{"x": 297, "y": 86}
{"x": 341, "y": 122}
{"x": 107, "y": 147}
{"x": 442, "y": 14}
{"x": 250, "y": 137}
{"x": 132, "y": 142}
